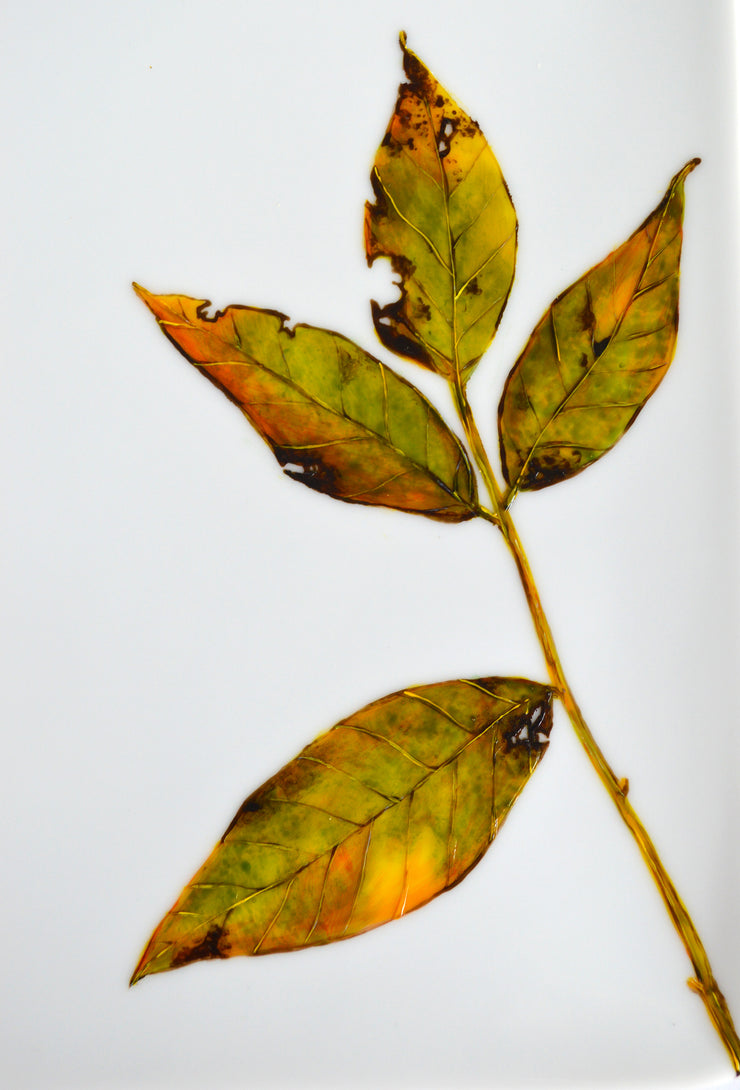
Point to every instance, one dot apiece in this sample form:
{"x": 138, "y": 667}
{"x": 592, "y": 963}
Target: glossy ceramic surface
{"x": 180, "y": 618}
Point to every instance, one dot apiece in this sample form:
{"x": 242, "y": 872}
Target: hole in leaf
{"x": 443, "y": 146}
{"x": 536, "y": 715}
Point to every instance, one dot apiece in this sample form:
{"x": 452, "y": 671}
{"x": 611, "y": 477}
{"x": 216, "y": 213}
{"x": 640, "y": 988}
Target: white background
{"x": 180, "y": 619}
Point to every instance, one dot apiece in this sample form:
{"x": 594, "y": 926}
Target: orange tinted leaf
{"x": 444, "y": 217}
{"x": 374, "y": 818}
{"x": 336, "y": 419}
{"x": 596, "y": 356}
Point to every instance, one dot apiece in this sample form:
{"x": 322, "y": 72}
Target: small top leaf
{"x": 444, "y": 217}
{"x": 337, "y": 419}
{"x": 377, "y": 816}
{"x": 596, "y": 356}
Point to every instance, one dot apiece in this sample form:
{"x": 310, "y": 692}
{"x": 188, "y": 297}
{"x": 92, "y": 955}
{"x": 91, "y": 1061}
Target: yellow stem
{"x": 703, "y": 982}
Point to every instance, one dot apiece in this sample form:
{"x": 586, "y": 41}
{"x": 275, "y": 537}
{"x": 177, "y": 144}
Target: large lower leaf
{"x": 444, "y": 217}
{"x": 596, "y": 356}
{"x": 337, "y": 419}
{"x": 391, "y": 807}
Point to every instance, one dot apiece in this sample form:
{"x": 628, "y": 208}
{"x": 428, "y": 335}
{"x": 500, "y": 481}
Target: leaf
{"x": 444, "y": 217}
{"x": 336, "y": 419}
{"x": 374, "y": 818}
{"x": 596, "y": 356}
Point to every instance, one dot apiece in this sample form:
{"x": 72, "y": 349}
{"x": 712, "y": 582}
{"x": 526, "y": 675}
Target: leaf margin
{"x": 529, "y": 723}
{"x": 390, "y": 320}
{"x": 515, "y": 485}
{"x": 462, "y": 490}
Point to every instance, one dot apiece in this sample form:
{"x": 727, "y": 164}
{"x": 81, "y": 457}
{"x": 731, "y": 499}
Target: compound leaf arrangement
{"x": 397, "y": 802}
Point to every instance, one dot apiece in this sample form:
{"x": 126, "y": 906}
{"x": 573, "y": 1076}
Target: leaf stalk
{"x": 703, "y": 983}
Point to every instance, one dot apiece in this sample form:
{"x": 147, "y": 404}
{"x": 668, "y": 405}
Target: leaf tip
{"x": 402, "y": 40}
{"x": 684, "y": 172}
{"x": 691, "y": 165}
{"x": 144, "y": 966}
{"x": 143, "y": 294}
{"x": 137, "y": 975}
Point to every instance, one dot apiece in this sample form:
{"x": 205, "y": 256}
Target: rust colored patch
{"x": 207, "y": 948}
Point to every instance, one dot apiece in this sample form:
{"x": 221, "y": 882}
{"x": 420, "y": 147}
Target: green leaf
{"x": 377, "y": 816}
{"x": 444, "y": 217}
{"x": 337, "y": 419}
{"x": 596, "y": 356}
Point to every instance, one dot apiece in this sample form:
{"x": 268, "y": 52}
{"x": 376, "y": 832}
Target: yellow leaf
{"x": 374, "y": 818}
{"x": 596, "y": 356}
{"x": 444, "y": 217}
{"x": 337, "y": 420}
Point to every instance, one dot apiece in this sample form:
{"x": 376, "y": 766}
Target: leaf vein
{"x": 425, "y": 700}
{"x": 271, "y": 923}
{"x": 313, "y": 806}
{"x": 452, "y": 848}
{"x": 491, "y": 257}
{"x": 412, "y": 225}
{"x": 360, "y": 878}
{"x": 388, "y": 741}
{"x": 336, "y": 768}
{"x": 480, "y": 211}
{"x": 420, "y": 168}
{"x": 321, "y": 895}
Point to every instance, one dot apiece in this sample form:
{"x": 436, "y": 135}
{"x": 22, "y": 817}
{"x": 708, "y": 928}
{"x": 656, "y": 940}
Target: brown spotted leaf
{"x": 374, "y": 818}
{"x": 596, "y": 356}
{"x": 444, "y": 217}
{"x": 336, "y": 419}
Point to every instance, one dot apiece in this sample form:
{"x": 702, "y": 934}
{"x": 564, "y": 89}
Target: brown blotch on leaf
{"x": 209, "y": 947}
{"x": 420, "y": 80}
{"x": 447, "y": 130}
{"x": 303, "y": 466}
{"x": 389, "y": 324}
{"x": 422, "y": 310}
{"x": 532, "y": 729}
{"x": 550, "y": 469}
{"x": 587, "y": 317}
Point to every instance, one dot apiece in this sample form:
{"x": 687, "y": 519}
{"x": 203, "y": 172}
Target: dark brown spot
{"x": 421, "y": 80}
{"x": 393, "y": 332}
{"x": 390, "y": 325}
{"x": 549, "y": 467}
{"x": 348, "y": 366}
{"x": 531, "y": 730}
{"x": 447, "y": 129}
{"x": 403, "y": 266}
{"x": 473, "y": 287}
{"x": 587, "y": 317}
{"x": 212, "y": 946}
{"x": 306, "y": 466}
